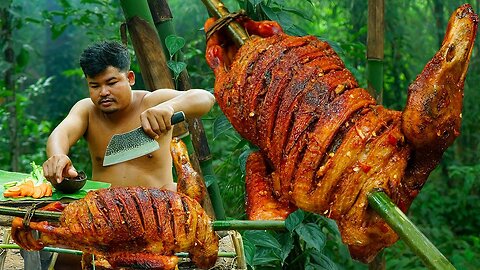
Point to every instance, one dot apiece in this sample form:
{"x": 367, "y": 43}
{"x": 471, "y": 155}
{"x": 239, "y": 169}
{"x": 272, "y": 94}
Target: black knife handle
{"x": 178, "y": 117}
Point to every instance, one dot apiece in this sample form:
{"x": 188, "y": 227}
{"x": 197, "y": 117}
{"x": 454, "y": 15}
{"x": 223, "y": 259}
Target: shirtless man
{"x": 113, "y": 107}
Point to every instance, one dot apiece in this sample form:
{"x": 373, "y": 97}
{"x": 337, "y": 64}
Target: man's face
{"x": 110, "y": 90}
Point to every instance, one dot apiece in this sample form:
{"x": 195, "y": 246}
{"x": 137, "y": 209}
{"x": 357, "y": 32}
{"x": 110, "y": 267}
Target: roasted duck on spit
{"x": 128, "y": 226}
{"x": 324, "y": 143}
{"x": 132, "y": 226}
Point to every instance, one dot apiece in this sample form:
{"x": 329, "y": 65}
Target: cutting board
{"x": 6, "y": 176}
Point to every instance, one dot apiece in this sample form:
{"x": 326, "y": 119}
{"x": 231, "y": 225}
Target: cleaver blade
{"x": 133, "y": 144}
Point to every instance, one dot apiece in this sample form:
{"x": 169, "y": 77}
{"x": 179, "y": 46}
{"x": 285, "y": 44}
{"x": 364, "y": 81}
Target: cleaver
{"x": 133, "y": 144}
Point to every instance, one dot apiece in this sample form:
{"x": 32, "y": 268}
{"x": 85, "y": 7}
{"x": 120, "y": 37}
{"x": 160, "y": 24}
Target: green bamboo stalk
{"x": 375, "y": 78}
{"x": 375, "y": 54}
{"x": 197, "y": 141}
{"x": 49, "y": 249}
{"x": 133, "y": 8}
{"x": 78, "y": 252}
{"x": 218, "y": 225}
{"x": 40, "y": 214}
{"x": 224, "y": 225}
{"x": 407, "y": 231}
{"x": 236, "y": 32}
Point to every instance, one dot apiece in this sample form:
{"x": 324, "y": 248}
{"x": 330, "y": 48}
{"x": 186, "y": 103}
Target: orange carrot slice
{"x": 37, "y": 192}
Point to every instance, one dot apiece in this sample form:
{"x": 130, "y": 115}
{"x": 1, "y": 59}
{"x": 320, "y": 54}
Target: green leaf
{"x": 312, "y": 235}
{"x": 174, "y": 44}
{"x": 209, "y": 179}
{"x": 57, "y": 30}
{"x": 266, "y": 257}
{"x": 330, "y": 224}
{"x": 286, "y": 242}
{"x": 256, "y": 2}
{"x": 294, "y": 219}
{"x": 249, "y": 249}
{"x": 176, "y": 67}
{"x": 221, "y": 125}
{"x": 262, "y": 239}
{"x": 242, "y": 159}
{"x": 322, "y": 261}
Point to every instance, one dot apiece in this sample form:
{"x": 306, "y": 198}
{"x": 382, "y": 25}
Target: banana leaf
{"x": 6, "y": 176}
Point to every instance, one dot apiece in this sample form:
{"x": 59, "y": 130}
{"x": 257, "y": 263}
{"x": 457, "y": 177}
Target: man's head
{"x": 106, "y": 66}
{"x": 97, "y": 57}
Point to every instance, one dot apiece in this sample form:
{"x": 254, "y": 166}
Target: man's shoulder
{"x": 86, "y": 103}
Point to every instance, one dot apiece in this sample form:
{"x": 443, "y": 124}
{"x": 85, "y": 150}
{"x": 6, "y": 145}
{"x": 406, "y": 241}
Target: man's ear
{"x": 131, "y": 77}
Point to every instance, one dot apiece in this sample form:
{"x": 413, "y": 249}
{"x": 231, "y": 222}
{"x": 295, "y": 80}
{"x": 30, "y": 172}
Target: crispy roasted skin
{"x": 324, "y": 143}
{"x": 190, "y": 182}
{"x": 128, "y": 226}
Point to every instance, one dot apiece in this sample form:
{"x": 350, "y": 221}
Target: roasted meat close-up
{"x": 127, "y": 226}
{"x": 324, "y": 143}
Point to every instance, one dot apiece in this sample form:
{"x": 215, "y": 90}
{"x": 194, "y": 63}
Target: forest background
{"x": 40, "y": 80}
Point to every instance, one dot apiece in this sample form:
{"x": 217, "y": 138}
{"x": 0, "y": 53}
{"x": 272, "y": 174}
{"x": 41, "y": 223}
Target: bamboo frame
{"x": 163, "y": 20}
{"x": 79, "y": 253}
{"x": 218, "y": 225}
{"x": 407, "y": 231}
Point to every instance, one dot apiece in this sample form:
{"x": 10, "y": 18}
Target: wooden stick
{"x": 407, "y": 231}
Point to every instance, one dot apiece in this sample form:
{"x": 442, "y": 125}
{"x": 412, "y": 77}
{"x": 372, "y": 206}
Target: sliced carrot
{"x": 14, "y": 189}
{"x": 9, "y": 194}
{"x": 43, "y": 187}
{"x": 37, "y": 192}
{"x": 29, "y": 182}
{"x": 26, "y": 190}
{"x": 49, "y": 191}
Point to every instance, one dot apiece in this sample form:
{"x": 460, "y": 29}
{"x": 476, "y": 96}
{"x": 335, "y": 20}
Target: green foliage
{"x": 174, "y": 44}
{"x": 310, "y": 242}
{"x": 32, "y": 132}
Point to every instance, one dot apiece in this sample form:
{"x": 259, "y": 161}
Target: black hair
{"x": 98, "y": 56}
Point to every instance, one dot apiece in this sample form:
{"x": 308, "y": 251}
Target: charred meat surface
{"x": 128, "y": 226}
{"x": 324, "y": 142}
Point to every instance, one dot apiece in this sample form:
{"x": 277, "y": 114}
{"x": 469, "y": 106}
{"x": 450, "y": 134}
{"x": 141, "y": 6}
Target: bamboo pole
{"x": 375, "y": 54}
{"x": 375, "y": 44}
{"x": 147, "y": 44}
{"x": 78, "y": 252}
{"x": 163, "y": 20}
{"x": 407, "y": 231}
{"x": 218, "y": 225}
{"x": 148, "y": 50}
{"x": 235, "y": 31}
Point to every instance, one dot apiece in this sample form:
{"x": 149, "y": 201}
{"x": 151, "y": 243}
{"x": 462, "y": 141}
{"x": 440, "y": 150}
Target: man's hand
{"x": 157, "y": 120}
{"x": 57, "y": 167}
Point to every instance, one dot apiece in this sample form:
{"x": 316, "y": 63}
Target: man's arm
{"x": 163, "y": 103}
{"x": 66, "y": 134}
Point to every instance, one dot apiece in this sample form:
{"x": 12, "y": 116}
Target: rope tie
{"x": 223, "y": 21}
{"x": 29, "y": 214}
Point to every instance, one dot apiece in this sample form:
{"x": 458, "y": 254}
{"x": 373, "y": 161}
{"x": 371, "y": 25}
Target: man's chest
{"x": 100, "y": 132}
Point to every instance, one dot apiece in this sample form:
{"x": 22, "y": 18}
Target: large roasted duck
{"x": 128, "y": 226}
{"x": 132, "y": 226}
{"x": 323, "y": 142}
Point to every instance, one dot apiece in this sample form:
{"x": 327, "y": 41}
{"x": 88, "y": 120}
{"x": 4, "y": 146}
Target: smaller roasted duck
{"x": 128, "y": 227}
